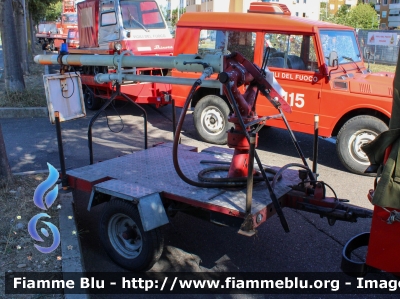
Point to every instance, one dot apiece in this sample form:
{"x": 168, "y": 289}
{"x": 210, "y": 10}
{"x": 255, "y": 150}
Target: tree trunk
{"x": 4, "y": 60}
{"x": 31, "y": 33}
{"x": 20, "y": 27}
{"x": 14, "y": 79}
{"x": 5, "y": 171}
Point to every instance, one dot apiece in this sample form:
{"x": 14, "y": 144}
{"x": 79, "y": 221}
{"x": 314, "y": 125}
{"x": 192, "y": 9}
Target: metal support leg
{"x": 64, "y": 180}
{"x": 250, "y": 178}
{"x": 274, "y": 199}
{"x": 315, "y": 147}
{"x": 173, "y": 118}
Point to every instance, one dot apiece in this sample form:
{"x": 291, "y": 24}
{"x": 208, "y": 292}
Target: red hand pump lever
{"x": 239, "y": 71}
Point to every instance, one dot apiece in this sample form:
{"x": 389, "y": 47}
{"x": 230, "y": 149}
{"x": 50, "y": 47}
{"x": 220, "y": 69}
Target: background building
{"x": 333, "y": 5}
{"x": 389, "y": 11}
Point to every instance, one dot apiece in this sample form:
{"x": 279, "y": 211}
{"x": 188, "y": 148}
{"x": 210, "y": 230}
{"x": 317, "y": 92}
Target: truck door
{"x": 109, "y": 22}
{"x": 292, "y": 58}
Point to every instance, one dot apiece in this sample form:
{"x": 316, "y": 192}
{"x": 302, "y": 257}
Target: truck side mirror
{"x": 325, "y": 70}
{"x": 333, "y": 58}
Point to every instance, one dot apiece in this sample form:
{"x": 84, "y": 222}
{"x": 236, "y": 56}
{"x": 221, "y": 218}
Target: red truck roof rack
{"x": 269, "y": 8}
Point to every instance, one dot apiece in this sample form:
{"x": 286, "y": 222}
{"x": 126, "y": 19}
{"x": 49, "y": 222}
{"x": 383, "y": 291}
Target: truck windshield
{"x": 70, "y": 18}
{"x": 141, "y": 15}
{"x": 343, "y": 42}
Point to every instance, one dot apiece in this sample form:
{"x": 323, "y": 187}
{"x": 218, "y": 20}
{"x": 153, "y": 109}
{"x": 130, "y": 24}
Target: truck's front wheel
{"x": 356, "y": 132}
{"x": 211, "y": 119}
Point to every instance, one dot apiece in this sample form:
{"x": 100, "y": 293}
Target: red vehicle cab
{"x": 73, "y": 38}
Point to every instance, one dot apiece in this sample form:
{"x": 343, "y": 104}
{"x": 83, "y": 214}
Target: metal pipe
{"x": 64, "y": 181}
{"x": 182, "y": 62}
{"x": 102, "y": 78}
{"x": 296, "y": 145}
{"x": 249, "y": 193}
{"x": 315, "y": 147}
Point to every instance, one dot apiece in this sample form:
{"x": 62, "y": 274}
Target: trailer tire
{"x": 91, "y": 102}
{"x": 211, "y": 119}
{"x": 356, "y": 132}
{"x": 125, "y": 241}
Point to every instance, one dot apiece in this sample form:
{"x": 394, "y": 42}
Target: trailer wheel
{"x": 356, "y": 132}
{"x": 91, "y": 102}
{"x": 211, "y": 119}
{"x": 125, "y": 241}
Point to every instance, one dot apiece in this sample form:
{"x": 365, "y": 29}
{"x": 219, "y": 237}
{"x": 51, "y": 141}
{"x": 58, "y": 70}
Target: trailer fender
{"x": 149, "y": 203}
{"x": 152, "y": 212}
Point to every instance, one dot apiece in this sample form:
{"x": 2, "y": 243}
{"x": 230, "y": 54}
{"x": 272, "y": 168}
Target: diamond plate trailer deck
{"x": 143, "y": 190}
{"x": 151, "y": 171}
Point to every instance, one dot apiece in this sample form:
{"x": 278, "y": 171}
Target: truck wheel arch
{"x": 202, "y": 92}
{"x": 356, "y": 112}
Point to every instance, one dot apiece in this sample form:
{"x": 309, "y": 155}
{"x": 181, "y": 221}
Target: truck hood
{"x": 378, "y": 84}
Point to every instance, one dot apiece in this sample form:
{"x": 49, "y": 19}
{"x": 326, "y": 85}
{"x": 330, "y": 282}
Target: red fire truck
{"x": 52, "y": 34}
{"x": 112, "y": 27}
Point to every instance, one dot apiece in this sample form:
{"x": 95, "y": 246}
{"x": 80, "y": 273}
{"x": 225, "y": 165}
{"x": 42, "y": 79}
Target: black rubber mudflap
{"x": 349, "y": 266}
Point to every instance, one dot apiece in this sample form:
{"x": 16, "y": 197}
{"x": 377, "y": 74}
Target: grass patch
{"x": 381, "y": 68}
{"x": 28, "y": 98}
{"x": 32, "y": 96}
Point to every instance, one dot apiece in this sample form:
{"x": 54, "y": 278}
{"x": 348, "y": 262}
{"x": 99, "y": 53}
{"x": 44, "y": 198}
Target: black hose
{"x": 257, "y": 176}
{"x": 227, "y": 182}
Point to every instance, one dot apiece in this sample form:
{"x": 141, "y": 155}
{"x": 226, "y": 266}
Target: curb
{"x": 24, "y": 112}
{"x": 72, "y": 260}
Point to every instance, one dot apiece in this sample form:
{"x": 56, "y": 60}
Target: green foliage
{"x": 342, "y": 15}
{"x": 49, "y": 10}
{"x": 362, "y": 16}
{"x": 174, "y": 19}
{"x": 164, "y": 11}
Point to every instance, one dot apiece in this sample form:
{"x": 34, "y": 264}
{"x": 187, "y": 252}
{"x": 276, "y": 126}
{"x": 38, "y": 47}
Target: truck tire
{"x": 211, "y": 119}
{"x": 91, "y": 102}
{"x": 44, "y": 46}
{"x": 123, "y": 237}
{"x": 52, "y": 47}
{"x": 356, "y": 132}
